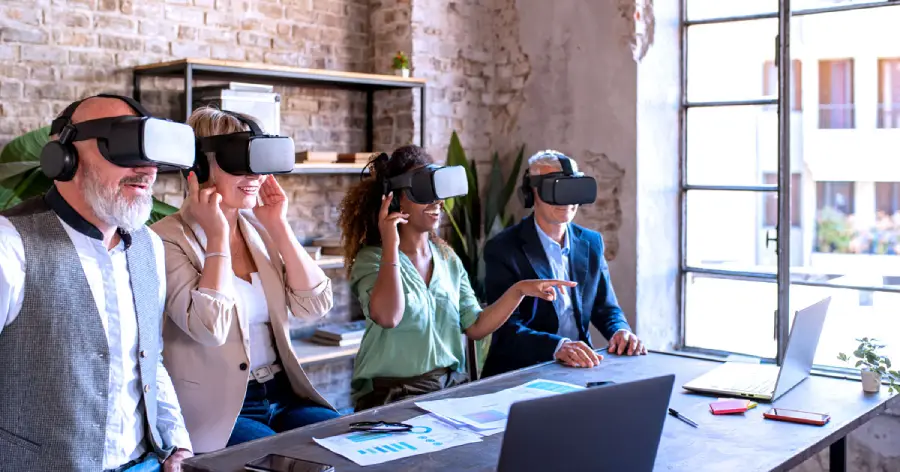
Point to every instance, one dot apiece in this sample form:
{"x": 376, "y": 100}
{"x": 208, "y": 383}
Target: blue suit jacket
{"x": 529, "y": 336}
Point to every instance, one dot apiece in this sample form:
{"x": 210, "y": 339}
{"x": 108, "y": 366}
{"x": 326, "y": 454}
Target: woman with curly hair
{"x": 413, "y": 290}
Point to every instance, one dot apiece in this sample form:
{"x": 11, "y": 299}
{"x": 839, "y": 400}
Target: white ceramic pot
{"x": 871, "y": 381}
{"x": 402, "y": 72}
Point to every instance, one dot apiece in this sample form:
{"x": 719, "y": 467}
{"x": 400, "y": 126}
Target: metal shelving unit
{"x": 208, "y": 69}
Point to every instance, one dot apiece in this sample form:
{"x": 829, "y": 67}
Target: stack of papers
{"x": 487, "y": 414}
{"x": 452, "y": 422}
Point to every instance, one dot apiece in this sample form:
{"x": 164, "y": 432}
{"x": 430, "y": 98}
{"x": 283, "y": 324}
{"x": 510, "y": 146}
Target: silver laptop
{"x": 615, "y": 427}
{"x": 767, "y": 382}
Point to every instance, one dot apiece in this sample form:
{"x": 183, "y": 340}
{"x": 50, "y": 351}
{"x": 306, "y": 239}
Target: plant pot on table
{"x": 871, "y": 381}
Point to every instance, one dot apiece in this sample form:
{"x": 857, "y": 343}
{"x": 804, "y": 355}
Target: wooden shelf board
{"x": 330, "y": 262}
{"x": 308, "y": 352}
{"x": 208, "y": 68}
{"x": 327, "y": 168}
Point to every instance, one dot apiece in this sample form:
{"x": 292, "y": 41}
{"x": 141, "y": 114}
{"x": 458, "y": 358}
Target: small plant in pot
{"x": 401, "y": 64}
{"x": 873, "y": 367}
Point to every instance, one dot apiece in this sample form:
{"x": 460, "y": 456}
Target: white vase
{"x": 871, "y": 381}
{"x": 402, "y": 72}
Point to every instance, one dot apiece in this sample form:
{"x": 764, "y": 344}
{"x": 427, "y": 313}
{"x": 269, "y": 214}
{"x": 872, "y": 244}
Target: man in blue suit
{"x": 547, "y": 245}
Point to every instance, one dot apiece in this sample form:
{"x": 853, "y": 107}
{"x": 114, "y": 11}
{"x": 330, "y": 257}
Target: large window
{"x": 780, "y": 211}
{"x": 835, "y": 196}
{"x": 836, "y": 109}
{"x": 889, "y": 93}
{"x": 887, "y": 198}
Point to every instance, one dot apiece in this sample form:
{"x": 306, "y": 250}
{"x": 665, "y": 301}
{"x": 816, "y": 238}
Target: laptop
{"x": 614, "y": 427}
{"x": 767, "y": 382}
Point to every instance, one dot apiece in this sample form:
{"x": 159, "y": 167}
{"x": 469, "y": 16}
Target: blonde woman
{"x": 235, "y": 274}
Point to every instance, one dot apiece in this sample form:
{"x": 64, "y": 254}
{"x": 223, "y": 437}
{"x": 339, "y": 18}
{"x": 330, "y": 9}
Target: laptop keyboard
{"x": 760, "y": 386}
{"x": 747, "y": 379}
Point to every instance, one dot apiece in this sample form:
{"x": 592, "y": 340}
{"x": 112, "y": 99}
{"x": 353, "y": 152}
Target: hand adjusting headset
{"x": 559, "y": 188}
{"x": 246, "y": 152}
{"x": 126, "y": 141}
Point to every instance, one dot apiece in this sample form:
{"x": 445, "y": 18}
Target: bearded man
{"x": 82, "y": 290}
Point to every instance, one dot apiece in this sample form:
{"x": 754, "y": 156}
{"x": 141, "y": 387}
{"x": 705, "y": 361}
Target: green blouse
{"x": 430, "y": 335}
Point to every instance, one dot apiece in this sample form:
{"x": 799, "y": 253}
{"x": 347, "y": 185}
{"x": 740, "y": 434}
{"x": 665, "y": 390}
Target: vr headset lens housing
{"x": 242, "y": 153}
{"x": 168, "y": 143}
{"x": 559, "y": 189}
{"x": 431, "y": 183}
{"x": 137, "y": 141}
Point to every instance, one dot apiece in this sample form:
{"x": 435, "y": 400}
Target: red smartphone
{"x": 795, "y": 416}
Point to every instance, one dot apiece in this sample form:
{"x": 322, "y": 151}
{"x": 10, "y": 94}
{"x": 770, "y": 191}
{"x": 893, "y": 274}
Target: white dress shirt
{"x": 253, "y": 298}
{"x": 109, "y": 280}
{"x": 558, "y": 256}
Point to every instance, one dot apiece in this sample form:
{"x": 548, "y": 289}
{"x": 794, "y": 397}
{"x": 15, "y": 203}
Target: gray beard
{"x": 113, "y": 208}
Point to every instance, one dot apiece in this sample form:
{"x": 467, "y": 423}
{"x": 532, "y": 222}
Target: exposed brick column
{"x": 396, "y": 123}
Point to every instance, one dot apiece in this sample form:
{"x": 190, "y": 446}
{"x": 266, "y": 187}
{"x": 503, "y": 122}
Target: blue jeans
{"x": 272, "y": 408}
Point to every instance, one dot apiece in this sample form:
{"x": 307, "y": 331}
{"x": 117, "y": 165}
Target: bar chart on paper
{"x": 428, "y": 434}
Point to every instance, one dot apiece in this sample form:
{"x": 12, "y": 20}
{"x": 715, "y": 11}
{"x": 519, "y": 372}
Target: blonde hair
{"x": 548, "y": 158}
{"x": 211, "y": 121}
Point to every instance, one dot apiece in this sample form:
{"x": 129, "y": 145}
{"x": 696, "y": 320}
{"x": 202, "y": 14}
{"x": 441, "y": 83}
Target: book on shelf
{"x": 336, "y": 343}
{"x": 332, "y": 251}
{"x": 355, "y": 157}
{"x": 316, "y": 157}
{"x": 349, "y": 331}
{"x": 330, "y": 245}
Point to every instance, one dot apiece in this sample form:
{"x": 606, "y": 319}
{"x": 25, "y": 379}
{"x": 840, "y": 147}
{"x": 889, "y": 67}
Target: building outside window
{"x": 836, "y": 107}
{"x": 889, "y": 93}
{"x": 844, "y": 189}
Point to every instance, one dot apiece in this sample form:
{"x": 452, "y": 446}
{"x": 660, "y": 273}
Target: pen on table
{"x": 682, "y": 417}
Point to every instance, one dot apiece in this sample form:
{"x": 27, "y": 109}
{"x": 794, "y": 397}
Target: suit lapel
{"x": 579, "y": 256}
{"x": 535, "y": 253}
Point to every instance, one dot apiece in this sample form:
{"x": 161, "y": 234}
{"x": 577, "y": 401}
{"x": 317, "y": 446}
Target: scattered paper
{"x": 453, "y": 422}
{"x": 429, "y": 434}
{"x": 487, "y": 414}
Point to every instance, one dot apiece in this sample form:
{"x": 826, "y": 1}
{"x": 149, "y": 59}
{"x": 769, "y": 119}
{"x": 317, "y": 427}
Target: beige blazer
{"x": 206, "y": 336}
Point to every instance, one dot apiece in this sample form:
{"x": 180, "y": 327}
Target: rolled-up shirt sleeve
{"x": 203, "y": 314}
{"x": 311, "y": 304}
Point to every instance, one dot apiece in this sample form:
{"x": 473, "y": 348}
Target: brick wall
{"x": 53, "y": 52}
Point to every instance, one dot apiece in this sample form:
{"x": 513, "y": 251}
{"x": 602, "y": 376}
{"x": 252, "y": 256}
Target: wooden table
{"x": 736, "y": 442}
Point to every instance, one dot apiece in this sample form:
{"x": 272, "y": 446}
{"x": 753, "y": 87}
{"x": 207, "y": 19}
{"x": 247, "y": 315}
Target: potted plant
{"x": 873, "y": 366}
{"x": 401, "y": 64}
{"x": 478, "y": 216}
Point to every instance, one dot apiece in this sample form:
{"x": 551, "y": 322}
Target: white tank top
{"x": 262, "y": 344}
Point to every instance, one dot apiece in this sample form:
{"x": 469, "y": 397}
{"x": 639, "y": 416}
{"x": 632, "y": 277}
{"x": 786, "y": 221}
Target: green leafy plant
{"x": 869, "y": 358}
{"x": 475, "y": 218}
{"x": 401, "y": 61}
{"x": 833, "y": 232}
{"x": 21, "y": 177}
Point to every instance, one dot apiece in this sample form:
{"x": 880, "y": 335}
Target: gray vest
{"x": 55, "y": 357}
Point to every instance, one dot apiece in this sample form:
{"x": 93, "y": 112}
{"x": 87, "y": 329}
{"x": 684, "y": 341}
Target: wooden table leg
{"x": 838, "y": 456}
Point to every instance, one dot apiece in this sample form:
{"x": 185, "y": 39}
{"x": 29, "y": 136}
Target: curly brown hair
{"x": 359, "y": 208}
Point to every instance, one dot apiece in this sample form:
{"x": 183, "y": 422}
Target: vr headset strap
{"x": 57, "y": 125}
{"x": 65, "y": 117}
{"x": 566, "y": 165}
{"x": 94, "y": 129}
{"x": 254, "y": 128}
{"x": 130, "y": 101}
